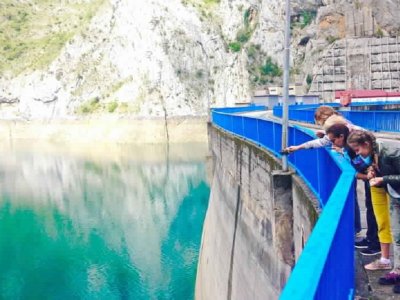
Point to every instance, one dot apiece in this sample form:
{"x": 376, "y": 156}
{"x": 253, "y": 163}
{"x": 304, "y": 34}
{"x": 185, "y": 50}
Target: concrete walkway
{"x": 384, "y": 136}
{"x": 367, "y": 286}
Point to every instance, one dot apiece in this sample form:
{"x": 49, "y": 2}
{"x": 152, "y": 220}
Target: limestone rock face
{"x": 174, "y": 58}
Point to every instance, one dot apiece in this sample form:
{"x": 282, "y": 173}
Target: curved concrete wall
{"x": 257, "y": 222}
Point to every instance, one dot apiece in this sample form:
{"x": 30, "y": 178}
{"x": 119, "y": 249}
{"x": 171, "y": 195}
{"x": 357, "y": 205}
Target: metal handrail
{"x": 375, "y": 120}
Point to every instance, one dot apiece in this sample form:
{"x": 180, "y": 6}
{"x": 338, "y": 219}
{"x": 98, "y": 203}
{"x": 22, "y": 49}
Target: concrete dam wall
{"x": 256, "y": 225}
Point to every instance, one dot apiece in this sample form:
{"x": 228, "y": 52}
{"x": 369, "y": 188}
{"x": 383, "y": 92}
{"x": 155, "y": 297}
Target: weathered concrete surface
{"x": 257, "y": 222}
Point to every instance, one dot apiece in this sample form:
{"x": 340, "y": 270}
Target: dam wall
{"x": 257, "y": 222}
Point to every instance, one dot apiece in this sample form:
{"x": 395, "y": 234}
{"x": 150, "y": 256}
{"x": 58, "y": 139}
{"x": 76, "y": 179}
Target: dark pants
{"x": 372, "y": 227}
{"x": 357, "y": 217}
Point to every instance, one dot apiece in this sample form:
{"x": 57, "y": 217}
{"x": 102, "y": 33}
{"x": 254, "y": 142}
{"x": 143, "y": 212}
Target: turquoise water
{"x": 121, "y": 226}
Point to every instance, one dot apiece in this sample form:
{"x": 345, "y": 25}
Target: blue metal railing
{"x": 241, "y": 109}
{"x": 317, "y": 274}
{"x": 377, "y": 120}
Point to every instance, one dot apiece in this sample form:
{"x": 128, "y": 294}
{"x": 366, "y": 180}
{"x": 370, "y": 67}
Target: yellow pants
{"x": 380, "y": 203}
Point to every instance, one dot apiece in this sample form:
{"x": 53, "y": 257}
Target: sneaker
{"x": 363, "y": 244}
{"x": 389, "y": 279}
{"x": 378, "y": 265}
{"x": 370, "y": 251}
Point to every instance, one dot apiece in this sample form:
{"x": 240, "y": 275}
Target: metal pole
{"x": 208, "y": 88}
{"x": 286, "y": 66}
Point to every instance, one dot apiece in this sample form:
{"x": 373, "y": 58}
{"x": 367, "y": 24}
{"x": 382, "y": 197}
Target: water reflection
{"x": 100, "y": 224}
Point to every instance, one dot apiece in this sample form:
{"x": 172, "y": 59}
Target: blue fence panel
{"x": 266, "y": 134}
{"x": 365, "y": 119}
{"x": 303, "y": 115}
{"x": 305, "y": 161}
{"x": 313, "y": 164}
{"x": 328, "y": 173}
{"x": 250, "y": 128}
{"x": 342, "y": 245}
{"x": 387, "y": 121}
{"x": 238, "y": 126}
{"x": 325, "y": 269}
{"x": 317, "y": 274}
{"x": 277, "y": 111}
{"x": 277, "y": 137}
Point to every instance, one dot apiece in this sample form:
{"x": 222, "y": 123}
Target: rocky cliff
{"x": 164, "y": 58}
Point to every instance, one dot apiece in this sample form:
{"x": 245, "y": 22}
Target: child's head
{"x": 337, "y": 134}
{"x": 323, "y": 113}
{"x": 362, "y": 142}
{"x": 332, "y": 120}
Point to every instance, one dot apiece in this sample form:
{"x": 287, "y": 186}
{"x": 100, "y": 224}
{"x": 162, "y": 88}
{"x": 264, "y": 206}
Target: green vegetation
{"x": 379, "y": 32}
{"x": 244, "y": 34}
{"x": 261, "y": 67}
{"x": 32, "y": 33}
{"x": 102, "y": 103}
{"x": 199, "y": 74}
{"x": 112, "y": 106}
{"x": 235, "y": 46}
{"x": 252, "y": 51}
{"x": 115, "y": 87}
{"x": 307, "y": 18}
{"x": 89, "y": 107}
{"x": 304, "y": 19}
{"x": 95, "y": 106}
{"x": 309, "y": 79}
{"x": 331, "y": 39}
{"x": 270, "y": 68}
{"x": 204, "y": 7}
{"x": 246, "y": 17}
{"x": 211, "y": 2}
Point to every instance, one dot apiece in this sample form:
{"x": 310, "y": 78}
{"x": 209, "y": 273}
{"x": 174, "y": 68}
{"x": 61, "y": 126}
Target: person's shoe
{"x": 363, "y": 244}
{"x": 396, "y": 289}
{"x": 389, "y": 279}
{"x": 378, "y": 265}
{"x": 370, "y": 251}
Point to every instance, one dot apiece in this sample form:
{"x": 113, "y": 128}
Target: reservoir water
{"x": 101, "y": 222}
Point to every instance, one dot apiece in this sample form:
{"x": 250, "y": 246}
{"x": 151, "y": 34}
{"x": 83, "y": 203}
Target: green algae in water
{"x": 75, "y": 228}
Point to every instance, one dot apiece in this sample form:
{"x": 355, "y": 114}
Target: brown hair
{"x": 338, "y": 129}
{"x": 361, "y": 137}
{"x": 323, "y": 113}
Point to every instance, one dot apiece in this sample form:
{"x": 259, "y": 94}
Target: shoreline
{"x": 189, "y": 129}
